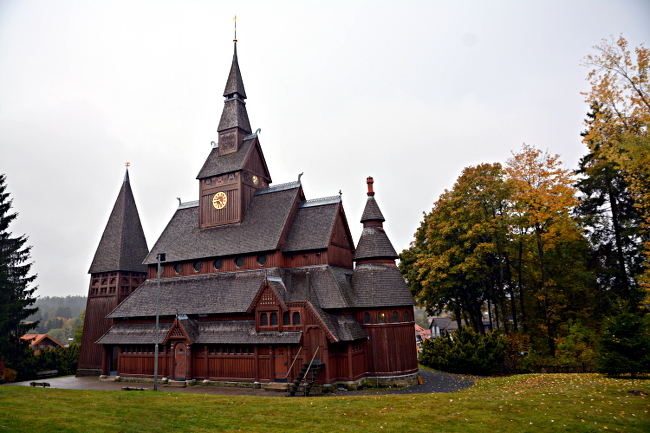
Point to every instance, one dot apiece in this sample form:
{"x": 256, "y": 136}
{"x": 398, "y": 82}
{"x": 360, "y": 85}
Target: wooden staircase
{"x": 306, "y": 378}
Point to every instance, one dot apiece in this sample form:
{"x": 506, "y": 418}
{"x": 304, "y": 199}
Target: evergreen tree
{"x": 625, "y": 345}
{"x": 16, "y": 295}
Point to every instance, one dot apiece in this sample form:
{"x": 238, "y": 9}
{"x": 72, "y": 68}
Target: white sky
{"x": 409, "y": 92}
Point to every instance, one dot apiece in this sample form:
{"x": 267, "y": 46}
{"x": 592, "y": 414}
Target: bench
{"x": 130, "y": 388}
{"x": 43, "y": 384}
{"x": 48, "y": 373}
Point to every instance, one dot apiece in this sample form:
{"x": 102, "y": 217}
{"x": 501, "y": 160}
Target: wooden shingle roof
{"x": 312, "y": 226}
{"x": 374, "y": 244}
{"x": 216, "y": 165}
{"x": 260, "y": 230}
{"x": 123, "y": 245}
{"x": 379, "y": 285}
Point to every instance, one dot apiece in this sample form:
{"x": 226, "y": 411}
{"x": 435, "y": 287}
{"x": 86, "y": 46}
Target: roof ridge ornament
{"x": 235, "y": 20}
{"x": 126, "y": 175}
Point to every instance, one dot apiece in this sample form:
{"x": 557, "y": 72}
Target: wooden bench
{"x": 48, "y": 373}
{"x": 43, "y": 384}
{"x": 130, "y": 388}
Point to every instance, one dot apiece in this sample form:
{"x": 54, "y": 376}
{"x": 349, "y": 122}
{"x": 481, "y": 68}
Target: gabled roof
{"x": 228, "y": 292}
{"x": 223, "y": 332}
{"x": 216, "y": 165}
{"x": 312, "y": 226}
{"x": 123, "y": 245}
{"x": 36, "y": 339}
{"x": 260, "y": 230}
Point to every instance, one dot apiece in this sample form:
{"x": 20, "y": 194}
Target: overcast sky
{"x": 407, "y": 92}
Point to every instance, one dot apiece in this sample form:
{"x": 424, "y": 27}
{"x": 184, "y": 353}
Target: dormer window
{"x": 264, "y": 319}
{"x": 286, "y": 318}
{"x": 274, "y": 319}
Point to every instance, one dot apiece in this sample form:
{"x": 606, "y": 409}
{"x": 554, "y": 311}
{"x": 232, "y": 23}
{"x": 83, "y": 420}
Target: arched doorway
{"x": 180, "y": 362}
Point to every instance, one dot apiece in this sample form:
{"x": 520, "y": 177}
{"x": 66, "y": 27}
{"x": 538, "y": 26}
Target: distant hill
{"x": 56, "y": 311}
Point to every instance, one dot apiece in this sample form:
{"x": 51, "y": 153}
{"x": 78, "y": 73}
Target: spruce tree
{"x": 16, "y": 295}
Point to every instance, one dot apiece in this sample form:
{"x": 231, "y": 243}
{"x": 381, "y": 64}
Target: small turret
{"x": 374, "y": 246}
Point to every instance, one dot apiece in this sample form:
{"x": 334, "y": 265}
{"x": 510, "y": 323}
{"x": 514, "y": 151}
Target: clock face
{"x": 255, "y": 180}
{"x": 219, "y": 200}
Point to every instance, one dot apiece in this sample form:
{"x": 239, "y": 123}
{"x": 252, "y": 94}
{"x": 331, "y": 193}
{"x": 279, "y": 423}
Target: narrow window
{"x": 395, "y": 317}
{"x": 264, "y": 320}
{"x": 366, "y": 318}
{"x": 382, "y": 317}
{"x": 274, "y": 319}
{"x": 286, "y": 318}
{"x": 296, "y": 317}
{"x": 406, "y": 316}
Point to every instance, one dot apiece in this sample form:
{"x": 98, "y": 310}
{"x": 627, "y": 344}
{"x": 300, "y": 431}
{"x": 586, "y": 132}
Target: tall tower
{"x": 115, "y": 272}
{"x": 236, "y": 168}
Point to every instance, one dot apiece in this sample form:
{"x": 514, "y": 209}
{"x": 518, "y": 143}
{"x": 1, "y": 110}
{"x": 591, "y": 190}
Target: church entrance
{"x": 281, "y": 364}
{"x": 180, "y": 362}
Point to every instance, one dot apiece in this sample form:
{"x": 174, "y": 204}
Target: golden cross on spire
{"x": 235, "y": 20}
{"x": 127, "y": 164}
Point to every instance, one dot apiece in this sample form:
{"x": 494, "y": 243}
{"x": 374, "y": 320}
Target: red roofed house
{"x": 39, "y": 342}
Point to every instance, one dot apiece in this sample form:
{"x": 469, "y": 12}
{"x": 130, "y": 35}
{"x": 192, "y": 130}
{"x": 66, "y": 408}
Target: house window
{"x": 395, "y": 317}
{"x": 366, "y": 318}
{"x": 239, "y": 262}
{"x": 381, "y": 317}
{"x": 274, "y": 319}
{"x": 261, "y": 259}
{"x": 218, "y": 264}
{"x": 178, "y": 268}
{"x": 198, "y": 266}
{"x": 264, "y": 320}
{"x": 296, "y": 318}
{"x": 406, "y": 316}
{"x": 286, "y": 318}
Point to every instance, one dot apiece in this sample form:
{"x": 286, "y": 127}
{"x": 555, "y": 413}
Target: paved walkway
{"x": 433, "y": 382}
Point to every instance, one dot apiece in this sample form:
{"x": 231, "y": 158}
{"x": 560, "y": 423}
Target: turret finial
{"x": 235, "y": 20}
{"x": 126, "y": 175}
{"x": 370, "y": 181}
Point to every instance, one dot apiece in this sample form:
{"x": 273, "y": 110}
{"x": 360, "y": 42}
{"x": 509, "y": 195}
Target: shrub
{"x": 625, "y": 345}
{"x": 465, "y": 352}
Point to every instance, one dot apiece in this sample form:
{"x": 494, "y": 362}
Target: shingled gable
{"x": 313, "y": 226}
{"x": 261, "y": 229}
{"x": 123, "y": 245}
{"x": 275, "y": 287}
{"x": 217, "y": 165}
{"x": 184, "y": 329}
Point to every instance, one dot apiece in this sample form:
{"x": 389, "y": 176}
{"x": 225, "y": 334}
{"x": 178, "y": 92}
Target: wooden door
{"x": 180, "y": 362}
{"x": 281, "y": 364}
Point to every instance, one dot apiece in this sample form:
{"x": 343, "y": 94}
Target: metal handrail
{"x": 309, "y": 367}
{"x": 295, "y": 358}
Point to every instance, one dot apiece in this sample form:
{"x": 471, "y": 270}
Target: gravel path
{"x": 434, "y": 381}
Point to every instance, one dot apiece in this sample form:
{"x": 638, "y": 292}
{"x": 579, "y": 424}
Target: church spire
{"x": 234, "y": 124}
{"x": 123, "y": 246}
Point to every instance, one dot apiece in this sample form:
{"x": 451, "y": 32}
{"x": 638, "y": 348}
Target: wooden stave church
{"x": 257, "y": 280}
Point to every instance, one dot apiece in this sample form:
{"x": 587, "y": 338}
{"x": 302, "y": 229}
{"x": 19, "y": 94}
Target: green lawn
{"x": 525, "y": 403}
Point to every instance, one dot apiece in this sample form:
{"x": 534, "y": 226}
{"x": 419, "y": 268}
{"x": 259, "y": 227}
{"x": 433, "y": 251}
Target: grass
{"x": 524, "y": 403}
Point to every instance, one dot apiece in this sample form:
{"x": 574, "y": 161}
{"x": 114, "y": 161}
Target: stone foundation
{"x": 85, "y": 372}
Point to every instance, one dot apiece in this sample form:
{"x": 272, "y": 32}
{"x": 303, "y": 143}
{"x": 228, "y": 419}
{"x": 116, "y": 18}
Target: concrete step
{"x": 176, "y": 383}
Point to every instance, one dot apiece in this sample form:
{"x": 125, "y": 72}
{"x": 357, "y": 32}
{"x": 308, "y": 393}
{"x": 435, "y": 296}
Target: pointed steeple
{"x": 374, "y": 245}
{"x": 123, "y": 246}
{"x": 234, "y": 123}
